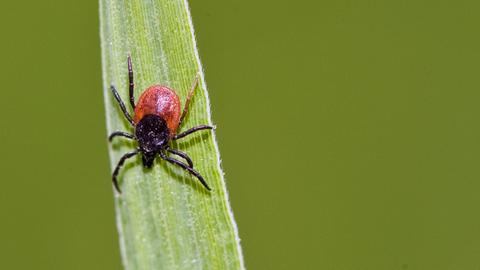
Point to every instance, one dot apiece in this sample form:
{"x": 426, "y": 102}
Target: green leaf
{"x": 166, "y": 219}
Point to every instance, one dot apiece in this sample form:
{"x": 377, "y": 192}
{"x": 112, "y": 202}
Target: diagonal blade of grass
{"x": 166, "y": 219}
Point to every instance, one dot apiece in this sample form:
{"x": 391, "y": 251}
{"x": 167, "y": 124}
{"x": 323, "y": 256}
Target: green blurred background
{"x": 348, "y": 130}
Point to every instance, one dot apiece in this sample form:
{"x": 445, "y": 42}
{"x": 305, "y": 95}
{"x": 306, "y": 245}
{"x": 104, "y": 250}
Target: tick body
{"x": 156, "y": 120}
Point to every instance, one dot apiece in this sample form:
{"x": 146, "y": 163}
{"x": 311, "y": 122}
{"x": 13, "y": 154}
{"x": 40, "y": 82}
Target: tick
{"x": 155, "y": 122}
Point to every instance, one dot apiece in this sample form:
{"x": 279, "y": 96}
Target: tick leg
{"x": 185, "y": 167}
{"x": 119, "y": 165}
{"x": 189, "y": 97}
{"x": 192, "y": 130}
{"x": 183, "y": 155}
{"x": 130, "y": 80}
{"x": 122, "y": 105}
{"x": 121, "y": 134}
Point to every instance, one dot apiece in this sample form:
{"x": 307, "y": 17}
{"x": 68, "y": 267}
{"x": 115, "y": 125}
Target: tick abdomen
{"x": 162, "y": 101}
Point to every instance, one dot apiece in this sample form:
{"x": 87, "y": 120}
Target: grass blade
{"x": 166, "y": 219}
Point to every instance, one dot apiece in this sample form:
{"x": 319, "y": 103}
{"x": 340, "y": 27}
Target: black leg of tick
{"x": 183, "y": 155}
{"x": 185, "y": 167}
{"x": 189, "y": 97}
{"x": 121, "y": 134}
{"x": 122, "y": 106}
{"x": 192, "y": 130}
{"x": 119, "y": 165}
{"x": 130, "y": 80}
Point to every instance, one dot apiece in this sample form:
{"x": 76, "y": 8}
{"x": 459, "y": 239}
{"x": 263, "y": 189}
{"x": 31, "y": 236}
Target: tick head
{"x": 148, "y": 158}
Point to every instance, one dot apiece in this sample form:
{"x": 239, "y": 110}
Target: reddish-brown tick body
{"x": 161, "y": 101}
{"x": 157, "y": 117}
